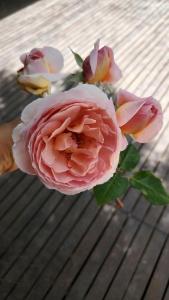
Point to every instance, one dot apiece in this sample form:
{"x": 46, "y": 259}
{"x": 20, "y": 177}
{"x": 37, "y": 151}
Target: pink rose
{"x": 46, "y": 62}
{"x": 140, "y": 117}
{"x": 100, "y": 66}
{"x": 71, "y": 140}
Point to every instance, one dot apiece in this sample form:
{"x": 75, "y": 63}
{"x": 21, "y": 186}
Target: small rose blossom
{"x": 41, "y": 67}
{"x": 100, "y": 66}
{"x": 46, "y": 62}
{"x": 139, "y": 117}
{"x": 71, "y": 140}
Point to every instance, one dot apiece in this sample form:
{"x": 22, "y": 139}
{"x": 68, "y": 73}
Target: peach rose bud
{"x": 100, "y": 66}
{"x": 41, "y": 66}
{"x": 71, "y": 141}
{"x": 141, "y": 118}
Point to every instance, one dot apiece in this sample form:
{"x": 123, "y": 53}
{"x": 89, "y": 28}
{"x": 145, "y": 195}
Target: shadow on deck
{"x": 8, "y": 7}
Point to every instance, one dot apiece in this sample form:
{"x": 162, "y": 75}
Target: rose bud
{"x": 100, "y": 66}
{"x": 71, "y": 141}
{"x": 41, "y": 66}
{"x": 141, "y": 118}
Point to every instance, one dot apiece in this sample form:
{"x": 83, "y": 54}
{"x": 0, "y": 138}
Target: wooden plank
{"x": 125, "y": 272}
{"x": 97, "y": 235}
{"x": 130, "y": 200}
{"x": 21, "y": 208}
{"x": 8, "y": 182}
{"x": 32, "y": 262}
{"x": 163, "y": 224}
{"x": 113, "y": 261}
{"x": 11, "y": 248}
{"x": 141, "y": 208}
{"x": 153, "y": 216}
{"x": 64, "y": 254}
{"x": 15, "y": 194}
{"x": 142, "y": 274}
{"x": 91, "y": 268}
{"x": 159, "y": 280}
{"x": 166, "y": 296}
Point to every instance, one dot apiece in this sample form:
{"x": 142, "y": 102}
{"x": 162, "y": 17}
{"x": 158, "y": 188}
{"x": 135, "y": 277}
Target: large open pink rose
{"x": 71, "y": 140}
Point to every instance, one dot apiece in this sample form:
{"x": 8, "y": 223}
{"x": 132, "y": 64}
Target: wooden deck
{"x": 66, "y": 248}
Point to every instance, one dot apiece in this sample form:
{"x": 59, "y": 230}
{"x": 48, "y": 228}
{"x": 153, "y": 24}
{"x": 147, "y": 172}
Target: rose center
{"x": 36, "y": 55}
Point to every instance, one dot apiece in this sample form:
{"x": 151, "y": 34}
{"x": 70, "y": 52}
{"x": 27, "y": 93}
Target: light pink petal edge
{"x": 94, "y": 56}
{"x": 54, "y": 57}
{"x": 23, "y": 57}
{"x": 124, "y": 142}
{"x": 124, "y": 96}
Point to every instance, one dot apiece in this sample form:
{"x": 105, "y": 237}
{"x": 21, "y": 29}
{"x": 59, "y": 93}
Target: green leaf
{"x": 151, "y": 187}
{"x": 78, "y": 58}
{"x": 129, "y": 158}
{"x": 111, "y": 190}
{"x": 72, "y": 80}
{"x": 108, "y": 89}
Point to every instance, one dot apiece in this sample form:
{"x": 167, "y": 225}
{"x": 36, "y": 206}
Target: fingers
{"x": 7, "y": 163}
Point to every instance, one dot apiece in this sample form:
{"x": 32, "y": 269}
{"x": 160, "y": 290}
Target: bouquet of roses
{"x": 84, "y": 136}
